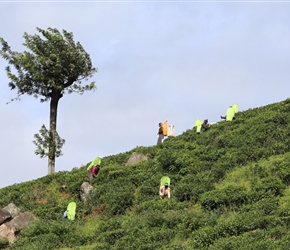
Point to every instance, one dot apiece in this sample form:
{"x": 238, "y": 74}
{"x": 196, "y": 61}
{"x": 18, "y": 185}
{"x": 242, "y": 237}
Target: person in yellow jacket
{"x": 230, "y": 115}
{"x": 197, "y": 124}
{"x": 70, "y": 212}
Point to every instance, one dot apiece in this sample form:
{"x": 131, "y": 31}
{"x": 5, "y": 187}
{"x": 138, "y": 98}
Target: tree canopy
{"x": 55, "y": 63}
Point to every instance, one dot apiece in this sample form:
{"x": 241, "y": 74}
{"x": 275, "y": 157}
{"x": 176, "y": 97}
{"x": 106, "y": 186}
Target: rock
{"x": 12, "y": 209}
{"x": 85, "y": 189}
{"x": 136, "y": 158}
{"x": 7, "y": 233}
{"x": 4, "y": 216}
{"x": 14, "y": 220}
{"x": 22, "y": 221}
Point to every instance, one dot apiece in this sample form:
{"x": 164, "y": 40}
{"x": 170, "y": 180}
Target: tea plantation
{"x": 229, "y": 187}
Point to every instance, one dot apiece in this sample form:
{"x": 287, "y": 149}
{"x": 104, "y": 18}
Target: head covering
{"x": 166, "y": 184}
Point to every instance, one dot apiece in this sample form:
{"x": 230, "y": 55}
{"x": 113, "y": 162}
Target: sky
{"x": 157, "y": 60}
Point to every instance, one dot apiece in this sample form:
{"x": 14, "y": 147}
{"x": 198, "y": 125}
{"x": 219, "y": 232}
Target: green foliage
{"x": 229, "y": 186}
{"x": 227, "y": 197}
{"x": 4, "y": 243}
{"x": 55, "y": 62}
{"x": 45, "y": 146}
{"x": 267, "y": 187}
{"x": 196, "y": 219}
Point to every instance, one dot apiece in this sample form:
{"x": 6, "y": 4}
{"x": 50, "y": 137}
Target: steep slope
{"x": 229, "y": 191}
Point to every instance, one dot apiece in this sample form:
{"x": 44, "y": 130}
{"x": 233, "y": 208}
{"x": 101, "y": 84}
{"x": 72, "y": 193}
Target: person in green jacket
{"x": 70, "y": 212}
{"x": 230, "y": 115}
{"x": 197, "y": 124}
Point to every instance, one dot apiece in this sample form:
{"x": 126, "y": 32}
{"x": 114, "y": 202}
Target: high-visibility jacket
{"x": 230, "y": 114}
{"x": 71, "y": 210}
{"x": 96, "y": 161}
{"x": 236, "y": 108}
{"x": 198, "y": 124}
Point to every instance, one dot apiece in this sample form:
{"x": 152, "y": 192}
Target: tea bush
{"x": 229, "y": 190}
{"x": 229, "y": 196}
{"x": 267, "y": 187}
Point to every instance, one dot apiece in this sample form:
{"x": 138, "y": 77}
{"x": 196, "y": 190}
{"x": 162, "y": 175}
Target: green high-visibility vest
{"x": 198, "y": 124}
{"x": 71, "y": 210}
{"x": 164, "y": 179}
{"x": 236, "y": 108}
{"x": 96, "y": 161}
{"x": 230, "y": 114}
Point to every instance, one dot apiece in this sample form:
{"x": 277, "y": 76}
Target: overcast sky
{"x": 157, "y": 61}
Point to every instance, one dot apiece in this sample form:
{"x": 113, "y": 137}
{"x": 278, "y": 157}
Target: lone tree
{"x": 54, "y": 65}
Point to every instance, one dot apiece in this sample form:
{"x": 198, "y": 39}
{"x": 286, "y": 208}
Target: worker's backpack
{"x": 96, "y": 161}
{"x": 171, "y": 131}
{"x": 164, "y": 128}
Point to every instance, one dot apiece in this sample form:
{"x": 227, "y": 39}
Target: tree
{"x": 54, "y": 65}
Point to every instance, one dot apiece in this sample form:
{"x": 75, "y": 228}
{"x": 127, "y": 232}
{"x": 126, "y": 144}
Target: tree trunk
{"x": 52, "y": 130}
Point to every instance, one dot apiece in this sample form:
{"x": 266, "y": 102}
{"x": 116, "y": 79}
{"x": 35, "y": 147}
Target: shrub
{"x": 229, "y": 196}
{"x": 43, "y": 241}
{"x": 166, "y": 160}
{"x": 267, "y": 187}
{"x": 193, "y": 220}
{"x": 4, "y": 243}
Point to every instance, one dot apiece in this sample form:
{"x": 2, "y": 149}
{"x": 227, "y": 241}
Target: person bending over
{"x": 164, "y": 191}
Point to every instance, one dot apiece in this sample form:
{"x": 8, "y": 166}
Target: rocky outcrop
{"x": 136, "y": 158}
{"x": 7, "y": 233}
{"x": 12, "y": 220}
{"x": 4, "y": 216}
{"x": 85, "y": 189}
{"x": 21, "y": 221}
{"x": 12, "y": 209}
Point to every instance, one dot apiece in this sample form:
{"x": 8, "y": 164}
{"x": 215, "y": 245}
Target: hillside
{"x": 229, "y": 185}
